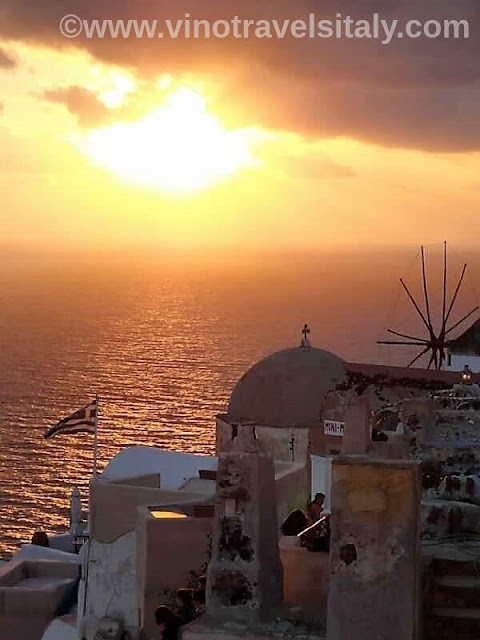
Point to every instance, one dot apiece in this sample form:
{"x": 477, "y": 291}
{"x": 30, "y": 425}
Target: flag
{"x": 82, "y": 421}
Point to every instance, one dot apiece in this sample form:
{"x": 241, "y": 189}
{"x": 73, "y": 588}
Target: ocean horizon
{"x": 163, "y": 341}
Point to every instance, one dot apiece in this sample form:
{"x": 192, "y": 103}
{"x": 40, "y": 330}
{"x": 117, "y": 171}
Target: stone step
{"x": 459, "y": 582}
{"x": 458, "y": 561}
{"x": 458, "y": 614}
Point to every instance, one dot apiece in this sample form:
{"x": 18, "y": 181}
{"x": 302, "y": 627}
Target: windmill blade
{"x": 435, "y": 359}
{"x": 444, "y": 296}
{"x": 412, "y": 344}
{"x": 405, "y": 335}
{"x": 422, "y": 353}
{"x": 425, "y": 291}
{"x": 456, "y": 293}
{"x": 412, "y": 299}
{"x": 465, "y": 317}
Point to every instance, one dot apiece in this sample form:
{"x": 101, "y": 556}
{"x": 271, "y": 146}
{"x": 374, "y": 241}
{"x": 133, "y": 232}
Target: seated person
{"x": 379, "y": 436}
{"x": 317, "y": 537}
{"x": 186, "y": 609}
{"x": 168, "y": 624}
{"x": 40, "y": 539}
{"x": 198, "y": 597}
{"x": 294, "y": 524}
{"x": 316, "y": 507}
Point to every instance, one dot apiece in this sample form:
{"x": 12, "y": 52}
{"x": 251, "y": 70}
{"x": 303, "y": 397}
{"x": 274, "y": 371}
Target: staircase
{"x": 452, "y": 610}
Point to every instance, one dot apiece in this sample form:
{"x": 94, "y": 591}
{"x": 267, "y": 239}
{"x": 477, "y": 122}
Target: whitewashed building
{"x": 465, "y": 350}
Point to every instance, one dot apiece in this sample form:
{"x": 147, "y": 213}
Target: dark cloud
{"x": 442, "y": 118}
{"x": 82, "y": 103}
{"x": 415, "y": 93}
{"x": 7, "y": 60}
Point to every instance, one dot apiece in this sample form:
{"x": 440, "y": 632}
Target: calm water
{"x": 162, "y": 341}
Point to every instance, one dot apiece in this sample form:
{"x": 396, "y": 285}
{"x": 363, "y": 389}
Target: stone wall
{"x": 374, "y": 581}
{"x": 244, "y": 578}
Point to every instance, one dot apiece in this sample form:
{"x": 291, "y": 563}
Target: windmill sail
{"x": 435, "y": 344}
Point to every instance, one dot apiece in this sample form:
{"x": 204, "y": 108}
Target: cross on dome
{"x": 305, "y": 342}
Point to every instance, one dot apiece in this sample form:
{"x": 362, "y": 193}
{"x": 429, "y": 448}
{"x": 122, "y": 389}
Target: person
{"x": 167, "y": 622}
{"x": 40, "y": 539}
{"x": 315, "y": 508}
{"x": 198, "y": 597}
{"x": 317, "y": 536}
{"x": 186, "y": 609}
{"x": 379, "y": 436}
{"x": 294, "y": 523}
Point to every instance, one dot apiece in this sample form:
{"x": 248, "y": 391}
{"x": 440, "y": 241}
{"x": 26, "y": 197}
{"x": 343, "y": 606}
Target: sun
{"x": 177, "y": 147}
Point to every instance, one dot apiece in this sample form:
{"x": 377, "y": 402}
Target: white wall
{"x": 174, "y": 467}
{"x": 459, "y": 361}
{"x": 111, "y": 580}
{"x": 59, "y": 630}
{"x": 322, "y": 478}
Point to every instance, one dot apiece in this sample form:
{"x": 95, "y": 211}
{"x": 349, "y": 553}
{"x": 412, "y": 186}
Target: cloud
{"x": 419, "y": 93}
{"x": 82, "y": 103}
{"x": 7, "y": 60}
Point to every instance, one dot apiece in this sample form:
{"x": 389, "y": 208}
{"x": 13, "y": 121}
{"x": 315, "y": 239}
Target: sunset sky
{"x": 244, "y": 142}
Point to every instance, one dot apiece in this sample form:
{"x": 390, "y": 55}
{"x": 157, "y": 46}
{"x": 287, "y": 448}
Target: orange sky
{"x": 96, "y": 152}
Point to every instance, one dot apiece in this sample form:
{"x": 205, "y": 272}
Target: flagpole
{"x": 95, "y": 444}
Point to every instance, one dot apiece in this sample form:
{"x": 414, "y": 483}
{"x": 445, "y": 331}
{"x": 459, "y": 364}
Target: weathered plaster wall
{"x": 374, "y": 581}
{"x": 245, "y": 573}
{"x": 282, "y": 443}
{"x": 291, "y": 483}
{"x": 111, "y": 579}
{"x": 291, "y": 490}
{"x": 305, "y": 574}
{"x": 30, "y": 593}
{"x": 324, "y": 445}
{"x": 113, "y": 506}
{"x": 167, "y": 552}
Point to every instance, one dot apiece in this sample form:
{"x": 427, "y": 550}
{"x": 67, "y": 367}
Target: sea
{"x": 163, "y": 338}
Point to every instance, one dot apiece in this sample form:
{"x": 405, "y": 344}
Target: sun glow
{"x": 177, "y": 147}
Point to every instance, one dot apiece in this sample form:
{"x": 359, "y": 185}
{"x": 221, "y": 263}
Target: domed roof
{"x": 286, "y": 389}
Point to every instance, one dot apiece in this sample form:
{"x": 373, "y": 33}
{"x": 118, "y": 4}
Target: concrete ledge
{"x": 376, "y": 462}
{"x": 208, "y": 629}
{"x": 30, "y": 594}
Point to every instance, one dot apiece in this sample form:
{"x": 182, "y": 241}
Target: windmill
{"x": 434, "y": 344}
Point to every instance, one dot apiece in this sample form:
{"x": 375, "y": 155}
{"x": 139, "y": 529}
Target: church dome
{"x": 286, "y": 389}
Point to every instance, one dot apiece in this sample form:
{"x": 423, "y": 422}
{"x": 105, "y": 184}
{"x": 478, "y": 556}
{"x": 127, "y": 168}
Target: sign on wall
{"x": 333, "y": 428}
